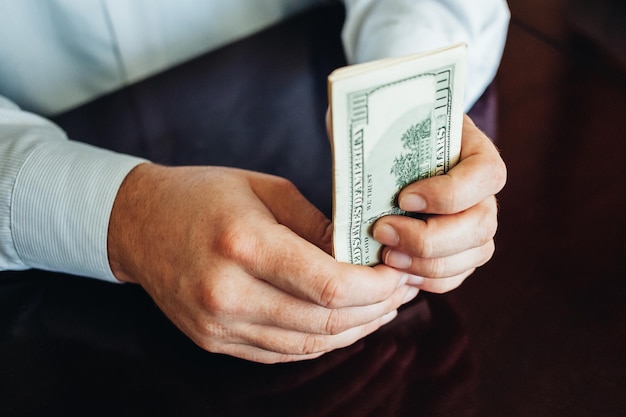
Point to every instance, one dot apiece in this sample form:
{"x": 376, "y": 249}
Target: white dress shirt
{"x": 56, "y": 194}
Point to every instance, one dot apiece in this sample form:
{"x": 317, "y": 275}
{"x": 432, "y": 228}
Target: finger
{"x": 441, "y": 235}
{"x": 274, "y": 253}
{"x": 255, "y": 354}
{"x": 289, "y": 342}
{"x": 278, "y": 309}
{"x": 290, "y": 208}
{"x": 479, "y": 174}
{"x": 439, "y": 267}
{"x": 245, "y": 299}
{"x": 317, "y": 277}
{"x": 273, "y": 345}
{"x": 443, "y": 285}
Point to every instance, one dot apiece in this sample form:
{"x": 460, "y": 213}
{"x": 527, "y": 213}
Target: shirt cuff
{"x": 375, "y": 30}
{"x": 61, "y": 205}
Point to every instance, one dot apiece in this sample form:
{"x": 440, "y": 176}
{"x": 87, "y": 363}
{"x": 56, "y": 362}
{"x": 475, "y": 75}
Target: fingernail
{"x": 412, "y": 202}
{"x": 386, "y": 235}
{"x": 398, "y": 260}
{"x": 414, "y": 280}
{"x": 410, "y": 294}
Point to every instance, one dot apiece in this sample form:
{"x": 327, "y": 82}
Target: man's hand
{"x": 447, "y": 247}
{"x": 239, "y": 262}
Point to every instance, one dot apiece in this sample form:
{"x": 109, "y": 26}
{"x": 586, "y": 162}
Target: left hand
{"x": 443, "y": 250}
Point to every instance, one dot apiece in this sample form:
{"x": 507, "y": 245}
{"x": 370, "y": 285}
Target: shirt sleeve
{"x": 56, "y": 197}
{"x": 378, "y": 29}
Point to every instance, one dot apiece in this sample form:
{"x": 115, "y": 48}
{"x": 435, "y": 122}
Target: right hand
{"x": 239, "y": 262}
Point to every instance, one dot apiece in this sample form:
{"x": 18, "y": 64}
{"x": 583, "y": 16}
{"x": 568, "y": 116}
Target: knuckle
{"x": 435, "y": 268}
{"x": 491, "y": 228}
{"x": 422, "y": 246}
{"x": 499, "y": 174}
{"x": 284, "y": 185}
{"x": 212, "y": 342}
{"x": 217, "y": 302}
{"x": 209, "y": 335}
{"x": 488, "y": 222}
{"x": 489, "y": 250}
{"x": 449, "y": 198}
{"x": 495, "y": 168}
{"x": 210, "y": 300}
{"x": 312, "y": 343}
{"x": 335, "y": 322}
{"x": 236, "y": 243}
{"x": 210, "y": 345}
{"x": 333, "y": 293}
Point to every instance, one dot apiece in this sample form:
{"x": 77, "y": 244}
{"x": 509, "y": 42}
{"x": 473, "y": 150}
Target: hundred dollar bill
{"x": 392, "y": 122}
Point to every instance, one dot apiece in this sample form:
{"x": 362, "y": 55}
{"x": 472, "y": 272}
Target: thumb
{"x": 291, "y": 209}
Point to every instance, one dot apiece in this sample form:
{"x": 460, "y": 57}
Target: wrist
{"x": 128, "y": 216}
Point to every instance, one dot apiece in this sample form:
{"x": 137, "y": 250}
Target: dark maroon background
{"x": 539, "y": 331}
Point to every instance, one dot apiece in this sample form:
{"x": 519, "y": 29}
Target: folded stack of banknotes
{"x": 392, "y": 122}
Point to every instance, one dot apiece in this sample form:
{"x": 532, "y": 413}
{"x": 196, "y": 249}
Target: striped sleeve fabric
{"x": 56, "y": 197}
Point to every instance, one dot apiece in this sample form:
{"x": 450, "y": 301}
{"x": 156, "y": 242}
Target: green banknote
{"x": 392, "y": 122}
